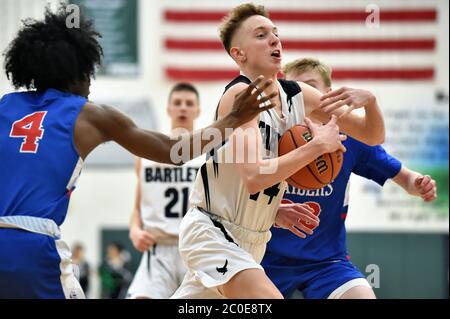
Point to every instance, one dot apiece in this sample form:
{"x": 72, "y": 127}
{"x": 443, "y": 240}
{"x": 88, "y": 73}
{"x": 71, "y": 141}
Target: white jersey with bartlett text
{"x": 165, "y": 193}
{"x": 218, "y": 187}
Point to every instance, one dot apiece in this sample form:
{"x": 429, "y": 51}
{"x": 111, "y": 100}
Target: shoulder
{"x": 365, "y": 153}
{"x": 6, "y": 97}
{"x": 18, "y": 97}
{"x": 231, "y": 90}
{"x": 363, "y": 147}
{"x": 311, "y": 97}
{"x": 99, "y": 113}
{"x": 239, "y": 79}
{"x": 291, "y": 88}
{"x": 236, "y": 85}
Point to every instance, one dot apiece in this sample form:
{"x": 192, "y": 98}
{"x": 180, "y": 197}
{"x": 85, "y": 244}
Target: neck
{"x": 253, "y": 74}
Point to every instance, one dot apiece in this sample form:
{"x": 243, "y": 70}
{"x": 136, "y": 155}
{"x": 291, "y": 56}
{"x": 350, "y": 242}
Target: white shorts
{"x": 160, "y": 273}
{"x": 215, "y": 250}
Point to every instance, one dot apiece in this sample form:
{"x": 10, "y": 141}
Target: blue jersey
{"x": 39, "y": 162}
{"x": 329, "y": 239}
{"x": 38, "y": 170}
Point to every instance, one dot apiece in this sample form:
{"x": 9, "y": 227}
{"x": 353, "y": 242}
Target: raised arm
{"x": 99, "y": 124}
{"x": 265, "y": 173}
{"x": 368, "y": 128}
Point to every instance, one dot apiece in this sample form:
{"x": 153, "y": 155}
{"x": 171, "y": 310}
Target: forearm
{"x": 110, "y": 124}
{"x": 374, "y": 123}
{"x": 268, "y": 172}
{"x": 177, "y": 150}
{"x": 406, "y": 179}
{"x": 189, "y": 146}
{"x": 135, "y": 220}
{"x": 368, "y": 129}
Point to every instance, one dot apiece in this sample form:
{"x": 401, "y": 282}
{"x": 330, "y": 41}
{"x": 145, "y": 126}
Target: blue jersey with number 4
{"x": 39, "y": 163}
{"x": 329, "y": 241}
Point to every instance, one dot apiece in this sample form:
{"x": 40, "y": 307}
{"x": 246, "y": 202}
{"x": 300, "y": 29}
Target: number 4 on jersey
{"x": 30, "y": 129}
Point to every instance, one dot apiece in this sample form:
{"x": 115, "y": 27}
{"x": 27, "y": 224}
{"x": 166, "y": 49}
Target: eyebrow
{"x": 264, "y": 28}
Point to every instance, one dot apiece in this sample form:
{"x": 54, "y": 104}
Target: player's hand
{"x": 141, "y": 239}
{"x": 247, "y": 103}
{"x": 327, "y": 136}
{"x": 354, "y": 98}
{"x": 297, "y": 218}
{"x": 426, "y": 187}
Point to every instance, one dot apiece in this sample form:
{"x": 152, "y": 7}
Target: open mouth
{"x": 276, "y": 54}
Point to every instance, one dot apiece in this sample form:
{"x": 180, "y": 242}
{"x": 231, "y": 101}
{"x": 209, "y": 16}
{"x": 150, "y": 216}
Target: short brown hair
{"x": 184, "y": 86}
{"x": 235, "y": 18}
{"x": 309, "y": 64}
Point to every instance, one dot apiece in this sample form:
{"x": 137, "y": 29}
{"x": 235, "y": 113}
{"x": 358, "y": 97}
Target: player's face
{"x": 183, "y": 108}
{"x": 258, "y": 39}
{"x": 312, "y": 78}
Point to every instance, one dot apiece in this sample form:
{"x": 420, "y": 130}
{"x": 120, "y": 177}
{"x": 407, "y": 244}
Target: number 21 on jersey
{"x": 30, "y": 129}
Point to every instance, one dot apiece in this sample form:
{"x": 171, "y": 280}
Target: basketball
{"x": 322, "y": 171}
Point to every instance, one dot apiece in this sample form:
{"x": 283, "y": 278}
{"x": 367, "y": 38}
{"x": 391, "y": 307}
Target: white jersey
{"x": 218, "y": 187}
{"x": 165, "y": 193}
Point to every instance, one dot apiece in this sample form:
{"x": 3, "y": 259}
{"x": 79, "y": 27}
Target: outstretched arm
{"x": 99, "y": 124}
{"x": 368, "y": 128}
{"x": 417, "y": 184}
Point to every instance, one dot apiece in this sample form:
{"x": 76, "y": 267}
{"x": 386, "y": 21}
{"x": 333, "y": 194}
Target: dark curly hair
{"x": 47, "y": 54}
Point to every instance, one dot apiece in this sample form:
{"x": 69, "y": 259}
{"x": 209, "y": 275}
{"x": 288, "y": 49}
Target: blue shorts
{"x": 316, "y": 280}
{"x": 31, "y": 267}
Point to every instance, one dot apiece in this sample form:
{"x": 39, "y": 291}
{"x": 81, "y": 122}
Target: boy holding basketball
{"x": 318, "y": 265}
{"x": 233, "y": 205}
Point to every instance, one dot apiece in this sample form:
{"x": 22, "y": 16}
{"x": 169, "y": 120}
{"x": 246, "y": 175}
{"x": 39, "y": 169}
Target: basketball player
{"x": 161, "y": 202}
{"x": 318, "y": 265}
{"x": 47, "y": 133}
{"x": 233, "y": 205}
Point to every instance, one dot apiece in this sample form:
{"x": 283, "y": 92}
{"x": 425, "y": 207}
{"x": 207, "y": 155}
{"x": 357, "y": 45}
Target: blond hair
{"x": 309, "y": 64}
{"x": 234, "y": 20}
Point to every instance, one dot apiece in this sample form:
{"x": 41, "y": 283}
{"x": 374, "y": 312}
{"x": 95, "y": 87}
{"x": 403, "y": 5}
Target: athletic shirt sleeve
{"x": 373, "y": 162}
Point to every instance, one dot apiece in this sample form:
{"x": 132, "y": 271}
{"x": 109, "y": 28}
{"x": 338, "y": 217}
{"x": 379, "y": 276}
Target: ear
{"x": 237, "y": 54}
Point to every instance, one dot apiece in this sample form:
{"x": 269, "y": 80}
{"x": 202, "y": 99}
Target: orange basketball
{"x": 322, "y": 171}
